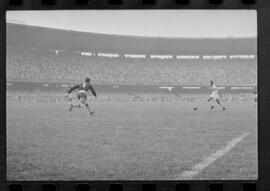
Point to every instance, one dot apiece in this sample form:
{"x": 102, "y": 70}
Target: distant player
{"x": 214, "y": 96}
{"x": 255, "y": 95}
{"x": 81, "y": 95}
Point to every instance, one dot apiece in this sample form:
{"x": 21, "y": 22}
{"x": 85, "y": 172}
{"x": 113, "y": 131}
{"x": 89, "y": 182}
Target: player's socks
{"x": 78, "y": 105}
{"x": 88, "y": 108}
{"x": 212, "y": 107}
{"x": 70, "y": 107}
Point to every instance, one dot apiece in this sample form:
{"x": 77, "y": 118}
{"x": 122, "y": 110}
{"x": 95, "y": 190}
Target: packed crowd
{"x": 46, "y": 66}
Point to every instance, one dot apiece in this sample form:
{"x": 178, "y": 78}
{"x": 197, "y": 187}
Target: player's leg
{"x": 69, "y": 102}
{"x": 210, "y": 100}
{"x": 219, "y": 103}
{"x": 88, "y": 108}
{"x": 72, "y": 105}
{"x": 83, "y": 102}
{"x": 78, "y": 105}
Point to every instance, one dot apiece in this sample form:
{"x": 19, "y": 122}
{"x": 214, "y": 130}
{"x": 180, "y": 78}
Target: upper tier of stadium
{"x": 32, "y": 56}
{"x": 48, "y": 38}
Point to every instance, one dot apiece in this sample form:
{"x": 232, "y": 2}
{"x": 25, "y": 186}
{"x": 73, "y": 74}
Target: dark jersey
{"x": 84, "y": 87}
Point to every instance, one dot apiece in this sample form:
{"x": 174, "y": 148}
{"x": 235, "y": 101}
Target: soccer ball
{"x": 195, "y": 108}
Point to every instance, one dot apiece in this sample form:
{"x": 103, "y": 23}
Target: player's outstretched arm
{"x": 73, "y": 88}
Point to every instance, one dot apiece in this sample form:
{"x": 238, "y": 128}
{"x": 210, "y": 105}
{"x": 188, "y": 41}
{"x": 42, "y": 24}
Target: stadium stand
{"x": 25, "y": 64}
{"x": 39, "y": 54}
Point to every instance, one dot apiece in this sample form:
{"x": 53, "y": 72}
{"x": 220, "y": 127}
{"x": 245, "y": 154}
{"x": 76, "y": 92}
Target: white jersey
{"x": 214, "y": 89}
{"x": 214, "y": 93}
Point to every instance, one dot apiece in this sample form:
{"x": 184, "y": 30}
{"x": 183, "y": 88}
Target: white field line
{"x": 195, "y": 170}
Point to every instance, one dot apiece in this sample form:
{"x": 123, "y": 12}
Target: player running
{"x": 214, "y": 96}
{"x": 81, "y": 95}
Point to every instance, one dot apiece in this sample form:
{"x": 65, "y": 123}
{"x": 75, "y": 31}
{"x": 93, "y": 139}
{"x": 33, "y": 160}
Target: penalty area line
{"x": 196, "y": 169}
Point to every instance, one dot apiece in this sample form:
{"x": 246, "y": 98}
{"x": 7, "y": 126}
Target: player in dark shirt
{"x": 81, "y": 95}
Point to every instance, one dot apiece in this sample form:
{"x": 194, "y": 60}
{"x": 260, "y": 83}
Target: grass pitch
{"x": 128, "y": 140}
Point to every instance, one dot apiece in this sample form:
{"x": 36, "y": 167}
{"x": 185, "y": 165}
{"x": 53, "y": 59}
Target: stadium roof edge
{"x": 62, "y": 39}
{"x": 129, "y": 36}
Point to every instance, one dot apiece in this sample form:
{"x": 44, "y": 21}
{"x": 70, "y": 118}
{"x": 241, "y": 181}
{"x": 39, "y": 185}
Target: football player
{"x": 83, "y": 89}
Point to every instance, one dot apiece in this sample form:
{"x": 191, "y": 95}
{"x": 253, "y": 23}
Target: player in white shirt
{"x": 214, "y": 96}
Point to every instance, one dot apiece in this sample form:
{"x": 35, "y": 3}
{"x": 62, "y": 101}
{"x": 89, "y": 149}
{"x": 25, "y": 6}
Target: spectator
{"x": 37, "y": 65}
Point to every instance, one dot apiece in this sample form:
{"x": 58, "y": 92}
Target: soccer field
{"x": 131, "y": 140}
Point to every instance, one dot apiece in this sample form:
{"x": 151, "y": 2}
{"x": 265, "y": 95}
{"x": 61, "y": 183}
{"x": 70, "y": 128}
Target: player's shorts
{"x": 214, "y": 96}
{"x": 81, "y": 94}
